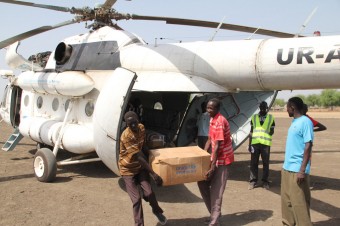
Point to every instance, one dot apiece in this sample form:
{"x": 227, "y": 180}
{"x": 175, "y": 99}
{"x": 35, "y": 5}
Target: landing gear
{"x": 45, "y": 165}
{"x": 42, "y": 145}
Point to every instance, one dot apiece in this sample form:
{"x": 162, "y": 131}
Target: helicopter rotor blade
{"x": 86, "y": 13}
{"x": 201, "y": 23}
{"x": 56, "y": 8}
{"x": 117, "y": 27}
{"x": 33, "y": 32}
{"x": 108, "y": 4}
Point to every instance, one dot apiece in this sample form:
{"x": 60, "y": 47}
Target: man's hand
{"x": 251, "y": 149}
{"x": 300, "y": 177}
{"x": 158, "y": 180}
{"x": 210, "y": 173}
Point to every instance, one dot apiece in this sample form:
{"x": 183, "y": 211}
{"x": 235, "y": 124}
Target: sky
{"x": 286, "y": 16}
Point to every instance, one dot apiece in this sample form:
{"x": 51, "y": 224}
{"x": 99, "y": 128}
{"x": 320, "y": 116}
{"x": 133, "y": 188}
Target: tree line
{"x": 327, "y": 98}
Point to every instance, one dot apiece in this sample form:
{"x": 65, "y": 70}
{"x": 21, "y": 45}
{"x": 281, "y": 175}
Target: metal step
{"x": 12, "y": 141}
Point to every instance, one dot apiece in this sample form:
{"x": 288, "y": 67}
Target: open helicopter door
{"x": 236, "y": 107}
{"x": 108, "y": 115}
{"x": 188, "y": 129}
{"x": 229, "y": 109}
{"x": 10, "y": 105}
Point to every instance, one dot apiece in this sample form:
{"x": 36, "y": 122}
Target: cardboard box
{"x": 180, "y": 165}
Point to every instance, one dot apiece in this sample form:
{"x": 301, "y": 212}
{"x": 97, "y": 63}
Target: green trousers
{"x": 295, "y": 200}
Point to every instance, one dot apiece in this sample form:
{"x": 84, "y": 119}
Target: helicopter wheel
{"x": 45, "y": 165}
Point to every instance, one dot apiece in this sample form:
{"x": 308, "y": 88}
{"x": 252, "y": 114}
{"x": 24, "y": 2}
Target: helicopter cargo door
{"x": 108, "y": 115}
{"x": 188, "y": 130}
{"x": 237, "y": 108}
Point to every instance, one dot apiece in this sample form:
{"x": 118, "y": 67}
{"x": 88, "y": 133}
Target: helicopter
{"x": 74, "y": 97}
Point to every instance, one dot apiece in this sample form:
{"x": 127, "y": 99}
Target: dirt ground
{"x": 90, "y": 194}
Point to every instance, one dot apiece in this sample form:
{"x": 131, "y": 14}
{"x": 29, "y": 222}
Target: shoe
{"x": 252, "y": 185}
{"x": 207, "y": 221}
{"x": 161, "y": 218}
{"x": 265, "y": 185}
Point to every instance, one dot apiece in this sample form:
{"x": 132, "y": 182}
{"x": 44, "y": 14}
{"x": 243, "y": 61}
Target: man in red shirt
{"x": 317, "y": 125}
{"x": 222, "y": 155}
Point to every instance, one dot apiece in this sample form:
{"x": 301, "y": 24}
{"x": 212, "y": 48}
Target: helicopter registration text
{"x": 306, "y": 53}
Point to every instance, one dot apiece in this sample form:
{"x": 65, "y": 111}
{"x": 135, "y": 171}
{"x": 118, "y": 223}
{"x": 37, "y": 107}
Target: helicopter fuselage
{"x": 97, "y": 75}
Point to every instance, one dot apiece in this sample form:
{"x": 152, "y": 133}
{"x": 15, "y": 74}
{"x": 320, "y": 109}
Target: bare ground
{"x": 90, "y": 194}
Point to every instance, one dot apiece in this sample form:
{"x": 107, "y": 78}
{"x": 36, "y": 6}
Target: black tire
{"x": 45, "y": 165}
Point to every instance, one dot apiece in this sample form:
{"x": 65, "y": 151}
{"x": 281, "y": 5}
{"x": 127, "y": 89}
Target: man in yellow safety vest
{"x": 260, "y": 140}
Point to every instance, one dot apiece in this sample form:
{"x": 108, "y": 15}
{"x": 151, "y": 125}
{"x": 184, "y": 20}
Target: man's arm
{"x": 207, "y": 144}
{"x": 306, "y": 157}
{"x": 272, "y": 127}
{"x": 319, "y": 127}
{"x": 142, "y": 160}
{"x": 250, "y": 136}
{"x": 214, "y": 154}
{"x": 144, "y": 163}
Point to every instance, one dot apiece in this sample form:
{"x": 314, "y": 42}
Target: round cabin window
{"x": 66, "y": 104}
{"x": 39, "y": 102}
{"x": 55, "y": 104}
{"x": 89, "y": 108}
{"x": 26, "y": 100}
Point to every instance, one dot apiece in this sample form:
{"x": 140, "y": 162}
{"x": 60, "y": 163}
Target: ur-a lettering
{"x": 305, "y": 54}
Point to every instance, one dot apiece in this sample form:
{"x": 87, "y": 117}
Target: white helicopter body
{"x": 77, "y": 101}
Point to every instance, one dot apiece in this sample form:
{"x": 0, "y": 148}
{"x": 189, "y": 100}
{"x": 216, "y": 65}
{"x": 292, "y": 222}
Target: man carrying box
{"x": 222, "y": 155}
{"x": 135, "y": 170}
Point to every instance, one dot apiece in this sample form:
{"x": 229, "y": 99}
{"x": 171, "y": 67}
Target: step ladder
{"x": 12, "y": 141}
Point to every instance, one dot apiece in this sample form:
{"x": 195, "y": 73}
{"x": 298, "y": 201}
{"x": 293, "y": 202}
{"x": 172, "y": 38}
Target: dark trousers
{"x": 132, "y": 188}
{"x": 212, "y": 192}
{"x": 264, "y": 151}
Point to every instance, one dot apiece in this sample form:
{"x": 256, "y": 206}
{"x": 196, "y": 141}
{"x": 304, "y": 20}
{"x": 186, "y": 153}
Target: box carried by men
{"x": 180, "y": 165}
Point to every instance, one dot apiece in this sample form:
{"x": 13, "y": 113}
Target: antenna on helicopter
{"x": 306, "y": 22}
{"x": 217, "y": 29}
{"x": 179, "y": 41}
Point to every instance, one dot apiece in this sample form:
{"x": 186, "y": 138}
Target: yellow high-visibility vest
{"x": 261, "y": 132}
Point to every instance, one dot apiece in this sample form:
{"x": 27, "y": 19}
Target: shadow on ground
{"x": 240, "y": 218}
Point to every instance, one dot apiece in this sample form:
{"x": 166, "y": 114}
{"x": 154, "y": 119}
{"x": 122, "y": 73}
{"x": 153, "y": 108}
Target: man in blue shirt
{"x": 295, "y": 193}
{"x": 203, "y": 124}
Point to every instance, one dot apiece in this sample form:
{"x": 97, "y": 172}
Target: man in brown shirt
{"x": 135, "y": 170}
